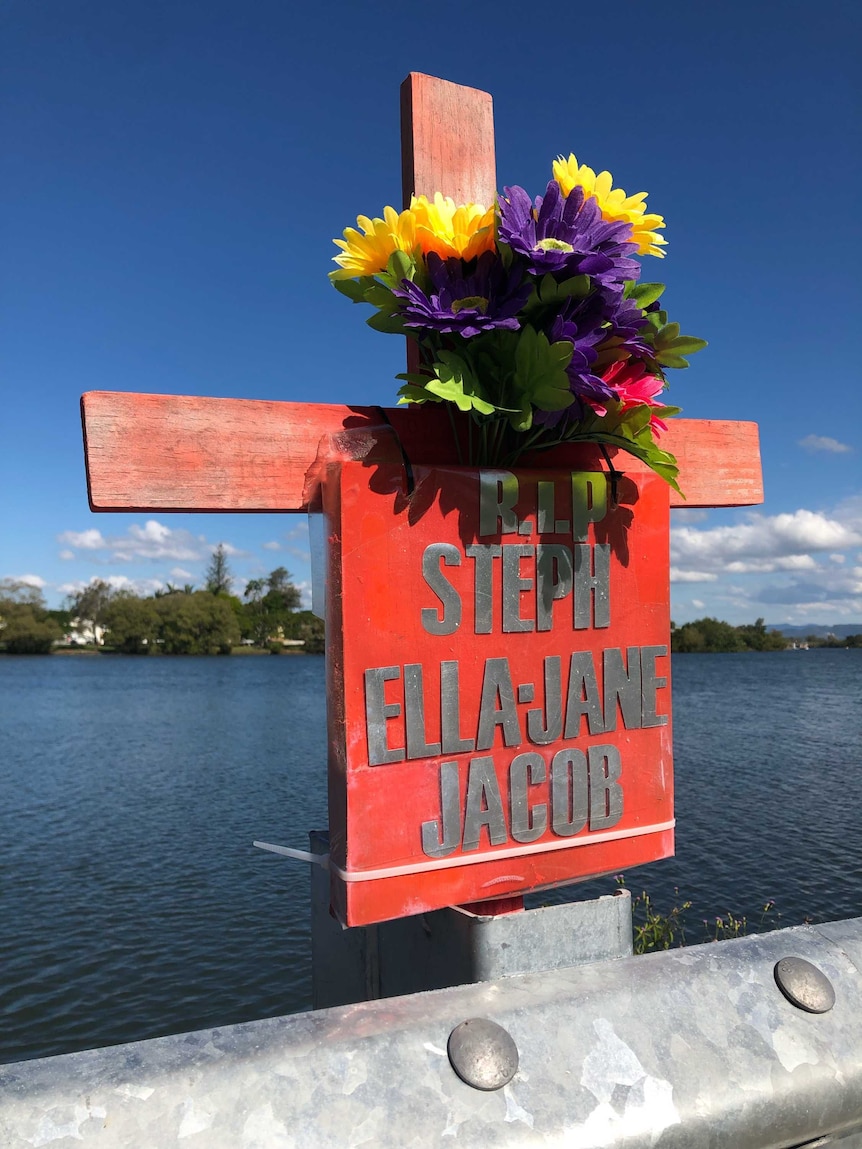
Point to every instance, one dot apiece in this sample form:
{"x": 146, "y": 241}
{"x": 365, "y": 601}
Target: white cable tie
{"x": 465, "y": 859}
{"x": 297, "y": 855}
{"x": 497, "y": 855}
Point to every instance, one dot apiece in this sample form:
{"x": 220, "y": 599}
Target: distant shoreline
{"x": 91, "y": 652}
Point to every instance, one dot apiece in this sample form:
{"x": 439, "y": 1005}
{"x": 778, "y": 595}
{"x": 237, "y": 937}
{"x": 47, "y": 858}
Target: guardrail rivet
{"x": 804, "y": 985}
{"x": 482, "y": 1053}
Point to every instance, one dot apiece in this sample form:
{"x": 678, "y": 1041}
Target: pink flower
{"x": 633, "y": 385}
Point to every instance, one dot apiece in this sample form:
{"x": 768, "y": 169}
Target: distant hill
{"x": 839, "y": 629}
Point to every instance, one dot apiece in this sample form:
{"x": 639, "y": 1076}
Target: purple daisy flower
{"x": 627, "y": 325}
{"x": 584, "y": 324}
{"x": 465, "y": 303}
{"x": 567, "y": 235}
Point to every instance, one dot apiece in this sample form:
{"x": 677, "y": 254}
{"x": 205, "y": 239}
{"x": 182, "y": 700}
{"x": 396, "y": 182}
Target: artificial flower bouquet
{"x": 529, "y": 315}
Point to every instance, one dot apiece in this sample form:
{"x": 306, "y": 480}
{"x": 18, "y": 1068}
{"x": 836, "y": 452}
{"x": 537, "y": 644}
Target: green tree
{"x": 307, "y": 626}
{"x": 270, "y": 604}
{"x": 706, "y": 635}
{"x": 132, "y": 623}
{"x": 219, "y": 579}
{"x": 256, "y": 614}
{"x": 199, "y": 623}
{"x": 63, "y": 618}
{"x": 757, "y": 637}
{"x": 25, "y": 624}
{"x": 90, "y": 604}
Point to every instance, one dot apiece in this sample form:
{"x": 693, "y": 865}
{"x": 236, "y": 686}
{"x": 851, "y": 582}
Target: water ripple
{"x": 133, "y": 903}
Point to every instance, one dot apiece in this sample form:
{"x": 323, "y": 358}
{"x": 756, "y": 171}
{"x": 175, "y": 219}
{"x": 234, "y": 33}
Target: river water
{"x": 133, "y": 904}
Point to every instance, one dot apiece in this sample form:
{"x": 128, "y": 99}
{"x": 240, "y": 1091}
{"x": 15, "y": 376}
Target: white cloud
{"x": 788, "y": 567}
{"x": 150, "y": 532}
{"x": 180, "y": 572}
{"x": 140, "y": 586}
{"x": 767, "y": 566}
{"x": 696, "y": 602}
{"x": 28, "y": 580}
{"x": 67, "y": 554}
{"x": 785, "y": 538}
{"x": 824, "y": 443}
{"x": 677, "y": 575}
{"x": 152, "y": 542}
{"x": 688, "y": 515}
{"x": 271, "y": 546}
{"x": 91, "y": 540}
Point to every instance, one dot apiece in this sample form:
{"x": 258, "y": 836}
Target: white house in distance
{"x": 83, "y": 632}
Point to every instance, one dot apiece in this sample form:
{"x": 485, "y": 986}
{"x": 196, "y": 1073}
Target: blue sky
{"x": 172, "y": 174}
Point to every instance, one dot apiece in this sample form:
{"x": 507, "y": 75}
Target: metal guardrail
{"x": 693, "y": 1047}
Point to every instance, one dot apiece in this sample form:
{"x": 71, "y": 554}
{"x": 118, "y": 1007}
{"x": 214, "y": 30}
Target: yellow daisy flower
{"x": 368, "y": 253}
{"x": 613, "y": 202}
{"x": 463, "y": 230}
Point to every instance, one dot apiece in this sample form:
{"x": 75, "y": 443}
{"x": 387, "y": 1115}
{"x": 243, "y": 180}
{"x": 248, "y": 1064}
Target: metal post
{"x": 455, "y": 946}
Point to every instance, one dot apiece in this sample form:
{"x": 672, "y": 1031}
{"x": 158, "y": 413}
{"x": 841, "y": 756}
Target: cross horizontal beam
{"x": 184, "y": 453}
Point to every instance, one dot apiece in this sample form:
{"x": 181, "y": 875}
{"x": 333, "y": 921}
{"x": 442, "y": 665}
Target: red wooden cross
{"x": 179, "y": 453}
{"x": 185, "y": 453}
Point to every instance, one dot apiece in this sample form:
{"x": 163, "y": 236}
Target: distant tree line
{"x": 26, "y": 625}
{"x": 174, "y": 620}
{"x": 711, "y": 636}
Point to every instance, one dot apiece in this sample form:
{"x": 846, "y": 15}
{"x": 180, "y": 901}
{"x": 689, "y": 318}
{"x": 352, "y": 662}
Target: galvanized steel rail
{"x": 692, "y": 1047}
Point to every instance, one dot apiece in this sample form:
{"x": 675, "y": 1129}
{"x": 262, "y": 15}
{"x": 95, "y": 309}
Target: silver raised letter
{"x": 650, "y": 683}
{"x": 514, "y": 586}
{"x": 553, "y": 580}
{"x": 589, "y": 501}
{"x": 497, "y": 682}
{"x": 599, "y": 584}
{"x": 483, "y": 611}
{"x": 623, "y": 685}
{"x": 377, "y": 710}
{"x": 569, "y": 794}
{"x": 437, "y": 844}
{"x": 527, "y": 824}
{"x": 450, "y": 620}
{"x": 450, "y": 711}
{"x": 553, "y": 725}
{"x": 498, "y": 493}
{"x": 606, "y": 793}
{"x": 484, "y": 805}
{"x": 414, "y": 714}
{"x": 583, "y": 696}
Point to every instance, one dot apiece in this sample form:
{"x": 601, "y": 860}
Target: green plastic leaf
{"x": 354, "y": 289}
{"x": 388, "y": 324}
{"x": 381, "y": 298}
{"x": 667, "y": 334}
{"x": 686, "y": 345}
{"x": 646, "y": 293}
{"x": 578, "y": 287}
{"x": 412, "y": 394}
{"x": 454, "y": 381}
{"x": 540, "y": 371}
{"x": 668, "y": 359}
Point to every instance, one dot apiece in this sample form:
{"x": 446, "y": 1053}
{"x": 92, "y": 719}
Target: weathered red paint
{"x": 376, "y": 596}
{"x": 182, "y": 453}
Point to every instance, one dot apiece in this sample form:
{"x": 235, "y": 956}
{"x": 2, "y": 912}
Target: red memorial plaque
{"x": 499, "y": 682}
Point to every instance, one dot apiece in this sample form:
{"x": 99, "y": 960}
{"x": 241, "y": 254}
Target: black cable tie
{"x": 408, "y": 466}
{"x": 613, "y": 474}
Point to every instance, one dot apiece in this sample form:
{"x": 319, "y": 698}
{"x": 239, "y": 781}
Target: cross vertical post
{"x": 180, "y": 453}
